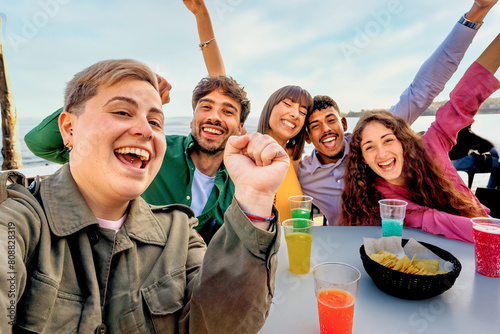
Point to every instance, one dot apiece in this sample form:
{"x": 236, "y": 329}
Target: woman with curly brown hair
{"x": 388, "y": 160}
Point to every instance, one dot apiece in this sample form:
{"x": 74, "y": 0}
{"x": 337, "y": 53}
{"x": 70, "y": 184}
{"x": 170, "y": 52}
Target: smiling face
{"x": 216, "y": 118}
{"x": 118, "y": 143}
{"x": 383, "y": 152}
{"x": 286, "y": 120}
{"x": 326, "y": 132}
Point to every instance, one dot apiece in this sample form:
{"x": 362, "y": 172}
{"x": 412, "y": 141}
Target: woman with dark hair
{"x": 388, "y": 160}
{"x": 283, "y": 118}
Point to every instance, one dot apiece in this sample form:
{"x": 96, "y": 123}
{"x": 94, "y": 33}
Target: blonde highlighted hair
{"x": 85, "y": 84}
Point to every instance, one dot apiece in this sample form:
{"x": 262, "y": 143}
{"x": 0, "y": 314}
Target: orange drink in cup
{"x": 336, "y": 286}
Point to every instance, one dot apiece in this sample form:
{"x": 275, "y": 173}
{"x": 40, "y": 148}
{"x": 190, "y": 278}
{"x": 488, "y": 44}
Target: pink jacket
{"x": 474, "y": 87}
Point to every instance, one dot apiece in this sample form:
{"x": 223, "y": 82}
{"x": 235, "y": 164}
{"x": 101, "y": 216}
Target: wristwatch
{"x": 468, "y": 23}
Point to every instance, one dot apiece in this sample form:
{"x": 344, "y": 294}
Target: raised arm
{"x": 208, "y": 44}
{"x": 45, "y": 140}
{"x": 257, "y": 165}
{"x": 232, "y": 291}
{"x": 490, "y": 58}
{"x": 438, "y": 69}
{"x": 477, "y": 84}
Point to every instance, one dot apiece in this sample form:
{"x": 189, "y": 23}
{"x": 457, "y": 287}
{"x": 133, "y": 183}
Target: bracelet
{"x": 258, "y": 218}
{"x": 204, "y": 44}
{"x": 468, "y": 23}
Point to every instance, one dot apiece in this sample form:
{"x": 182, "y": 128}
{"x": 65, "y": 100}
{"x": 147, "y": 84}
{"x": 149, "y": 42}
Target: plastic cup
{"x": 486, "y": 232}
{"x": 300, "y": 205}
{"x": 335, "y": 287}
{"x": 392, "y": 212}
{"x": 298, "y": 236}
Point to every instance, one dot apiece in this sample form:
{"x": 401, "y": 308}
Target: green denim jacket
{"x": 155, "y": 275}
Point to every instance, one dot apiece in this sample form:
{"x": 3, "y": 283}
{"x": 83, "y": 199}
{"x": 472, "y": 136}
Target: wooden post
{"x": 11, "y": 146}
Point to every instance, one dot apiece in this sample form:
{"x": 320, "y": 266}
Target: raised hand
{"x": 194, "y": 5}
{"x": 479, "y": 10}
{"x": 164, "y": 87}
{"x": 485, "y": 3}
{"x": 257, "y": 164}
{"x": 211, "y": 52}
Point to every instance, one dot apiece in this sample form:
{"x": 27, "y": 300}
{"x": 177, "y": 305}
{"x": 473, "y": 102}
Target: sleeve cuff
{"x": 256, "y": 240}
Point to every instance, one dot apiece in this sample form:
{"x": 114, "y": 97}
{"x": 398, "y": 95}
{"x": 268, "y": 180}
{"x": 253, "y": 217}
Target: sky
{"x": 363, "y": 53}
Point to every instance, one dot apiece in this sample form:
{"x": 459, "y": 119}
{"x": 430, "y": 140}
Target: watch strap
{"x": 468, "y": 23}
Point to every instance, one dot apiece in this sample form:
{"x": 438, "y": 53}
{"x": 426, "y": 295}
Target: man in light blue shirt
{"x": 321, "y": 175}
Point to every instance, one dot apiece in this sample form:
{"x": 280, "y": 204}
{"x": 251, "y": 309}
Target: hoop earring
{"x": 68, "y": 148}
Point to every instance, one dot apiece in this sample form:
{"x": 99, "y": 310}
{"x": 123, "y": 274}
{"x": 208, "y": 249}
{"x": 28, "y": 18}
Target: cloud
{"x": 265, "y": 45}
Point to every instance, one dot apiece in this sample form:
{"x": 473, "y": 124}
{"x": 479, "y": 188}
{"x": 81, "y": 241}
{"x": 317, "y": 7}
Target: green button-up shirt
{"x": 172, "y": 184}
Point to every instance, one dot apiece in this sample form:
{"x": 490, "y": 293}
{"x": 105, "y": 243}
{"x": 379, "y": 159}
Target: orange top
{"x": 289, "y": 187}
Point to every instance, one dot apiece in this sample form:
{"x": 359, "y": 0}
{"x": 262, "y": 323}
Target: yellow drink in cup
{"x": 299, "y": 252}
{"x": 298, "y": 236}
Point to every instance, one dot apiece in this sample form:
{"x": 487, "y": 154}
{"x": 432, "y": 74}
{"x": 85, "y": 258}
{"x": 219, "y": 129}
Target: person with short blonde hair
{"x": 88, "y": 254}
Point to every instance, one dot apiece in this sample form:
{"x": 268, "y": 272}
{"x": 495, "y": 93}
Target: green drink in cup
{"x": 301, "y": 213}
{"x": 300, "y": 205}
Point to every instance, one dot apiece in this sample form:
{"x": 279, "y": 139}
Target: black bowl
{"x": 411, "y": 286}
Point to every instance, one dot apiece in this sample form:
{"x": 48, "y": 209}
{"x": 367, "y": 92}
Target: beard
{"x": 335, "y": 157}
{"x": 338, "y": 155}
{"x": 207, "y": 150}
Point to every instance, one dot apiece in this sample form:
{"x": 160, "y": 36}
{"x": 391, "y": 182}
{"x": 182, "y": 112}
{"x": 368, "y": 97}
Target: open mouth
{"x": 135, "y": 157}
{"x": 212, "y": 130}
{"x": 329, "y": 141}
{"x": 387, "y": 165}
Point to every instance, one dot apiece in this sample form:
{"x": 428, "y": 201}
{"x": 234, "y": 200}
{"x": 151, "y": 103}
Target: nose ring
{"x": 148, "y": 138}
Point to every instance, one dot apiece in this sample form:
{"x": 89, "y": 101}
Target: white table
{"x": 472, "y": 305}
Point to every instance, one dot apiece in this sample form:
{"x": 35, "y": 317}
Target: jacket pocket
{"x": 44, "y": 309}
{"x": 164, "y": 298}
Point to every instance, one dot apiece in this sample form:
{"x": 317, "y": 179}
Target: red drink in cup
{"x": 336, "y": 309}
{"x": 335, "y": 286}
{"x": 487, "y": 246}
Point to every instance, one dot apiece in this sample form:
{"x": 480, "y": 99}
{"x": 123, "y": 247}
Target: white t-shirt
{"x": 113, "y": 224}
{"x": 200, "y": 191}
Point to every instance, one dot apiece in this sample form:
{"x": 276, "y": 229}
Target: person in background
{"x": 388, "y": 160}
{"x": 322, "y": 174}
{"x": 90, "y": 255}
{"x": 474, "y": 154}
{"x": 193, "y": 172}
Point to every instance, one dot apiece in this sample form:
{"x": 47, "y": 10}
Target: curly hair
{"x": 298, "y": 95}
{"x": 424, "y": 178}
{"x": 324, "y": 101}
